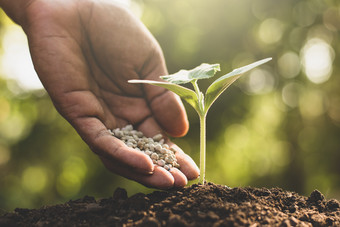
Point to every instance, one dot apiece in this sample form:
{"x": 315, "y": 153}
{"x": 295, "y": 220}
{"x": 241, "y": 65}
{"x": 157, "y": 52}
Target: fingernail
{"x": 145, "y": 171}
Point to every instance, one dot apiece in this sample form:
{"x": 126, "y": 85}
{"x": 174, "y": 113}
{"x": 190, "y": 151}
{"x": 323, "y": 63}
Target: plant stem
{"x": 201, "y": 179}
{"x": 200, "y": 97}
{"x": 202, "y": 114}
{"x": 195, "y": 85}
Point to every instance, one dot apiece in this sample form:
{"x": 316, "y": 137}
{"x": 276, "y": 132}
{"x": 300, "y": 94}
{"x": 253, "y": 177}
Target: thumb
{"x": 169, "y": 112}
{"x": 167, "y": 108}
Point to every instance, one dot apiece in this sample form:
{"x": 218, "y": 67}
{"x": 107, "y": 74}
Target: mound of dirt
{"x": 197, "y": 205}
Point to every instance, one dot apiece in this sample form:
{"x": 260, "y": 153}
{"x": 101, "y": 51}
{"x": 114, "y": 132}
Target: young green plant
{"x": 200, "y": 102}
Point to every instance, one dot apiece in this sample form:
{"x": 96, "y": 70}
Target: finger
{"x": 104, "y": 144}
{"x": 187, "y": 166}
{"x": 180, "y": 179}
{"x": 160, "y": 178}
{"x": 167, "y": 108}
{"x": 169, "y": 112}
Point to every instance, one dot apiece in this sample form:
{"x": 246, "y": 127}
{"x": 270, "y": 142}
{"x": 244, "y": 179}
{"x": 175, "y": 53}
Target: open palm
{"x": 84, "y": 52}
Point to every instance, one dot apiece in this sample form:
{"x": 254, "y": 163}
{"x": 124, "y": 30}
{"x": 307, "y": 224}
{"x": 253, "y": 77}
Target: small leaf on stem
{"x": 204, "y": 71}
{"x": 188, "y": 95}
{"x": 222, "y": 83}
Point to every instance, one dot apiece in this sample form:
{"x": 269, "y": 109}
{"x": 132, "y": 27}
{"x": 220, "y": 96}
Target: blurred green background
{"x": 279, "y": 125}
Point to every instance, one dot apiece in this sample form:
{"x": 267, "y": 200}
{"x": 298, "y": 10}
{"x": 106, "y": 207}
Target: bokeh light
{"x": 259, "y": 81}
{"x": 317, "y": 58}
{"x": 71, "y": 177}
{"x": 271, "y": 31}
{"x": 289, "y": 65}
{"x": 291, "y": 94}
{"x": 16, "y": 61}
{"x": 34, "y": 179}
{"x": 304, "y": 14}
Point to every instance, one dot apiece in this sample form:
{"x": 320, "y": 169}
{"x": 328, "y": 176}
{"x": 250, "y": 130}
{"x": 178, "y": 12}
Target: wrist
{"x": 16, "y": 9}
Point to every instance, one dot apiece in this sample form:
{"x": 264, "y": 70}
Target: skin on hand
{"x": 84, "y": 52}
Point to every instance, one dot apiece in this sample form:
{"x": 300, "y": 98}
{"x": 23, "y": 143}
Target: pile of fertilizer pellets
{"x": 160, "y": 153}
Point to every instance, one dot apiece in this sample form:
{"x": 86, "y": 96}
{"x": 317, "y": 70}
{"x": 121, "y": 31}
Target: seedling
{"x": 200, "y": 102}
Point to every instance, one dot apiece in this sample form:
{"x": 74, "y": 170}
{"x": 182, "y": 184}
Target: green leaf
{"x": 203, "y": 71}
{"x": 222, "y": 83}
{"x": 188, "y": 95}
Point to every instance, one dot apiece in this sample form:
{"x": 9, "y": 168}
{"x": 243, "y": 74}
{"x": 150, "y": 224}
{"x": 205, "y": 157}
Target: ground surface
{"x": 197, "y": 205}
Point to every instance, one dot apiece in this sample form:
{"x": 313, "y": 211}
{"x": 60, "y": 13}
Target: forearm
{"x": 15, "y": 9}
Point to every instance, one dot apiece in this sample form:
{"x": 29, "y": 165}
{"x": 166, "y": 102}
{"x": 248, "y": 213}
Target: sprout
{"x": 200, "y": 102}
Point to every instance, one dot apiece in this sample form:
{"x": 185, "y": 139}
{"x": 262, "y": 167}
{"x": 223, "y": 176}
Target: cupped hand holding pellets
{"x": 84, "y": 52}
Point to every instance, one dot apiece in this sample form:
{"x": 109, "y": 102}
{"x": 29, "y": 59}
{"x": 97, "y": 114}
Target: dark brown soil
{"x": 197, "y": 205}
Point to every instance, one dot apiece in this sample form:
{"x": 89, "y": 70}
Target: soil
{"x": 196, "y": 205}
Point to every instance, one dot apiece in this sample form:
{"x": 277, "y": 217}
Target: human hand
{"x": 84, "y": 51}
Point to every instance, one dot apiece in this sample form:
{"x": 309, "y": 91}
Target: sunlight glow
{"x": 317, "y": 59}
{"x": 71, "y": 178}
{"x": 289, "y": 64}
{"x": 260, "y": 81}
{"x": 16, "y": 60}
{"x": 68, "y": 184}
{"x": 271, "y": 31}
{"x": 291, "y": 93}
{"x": 34, "y": 179}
